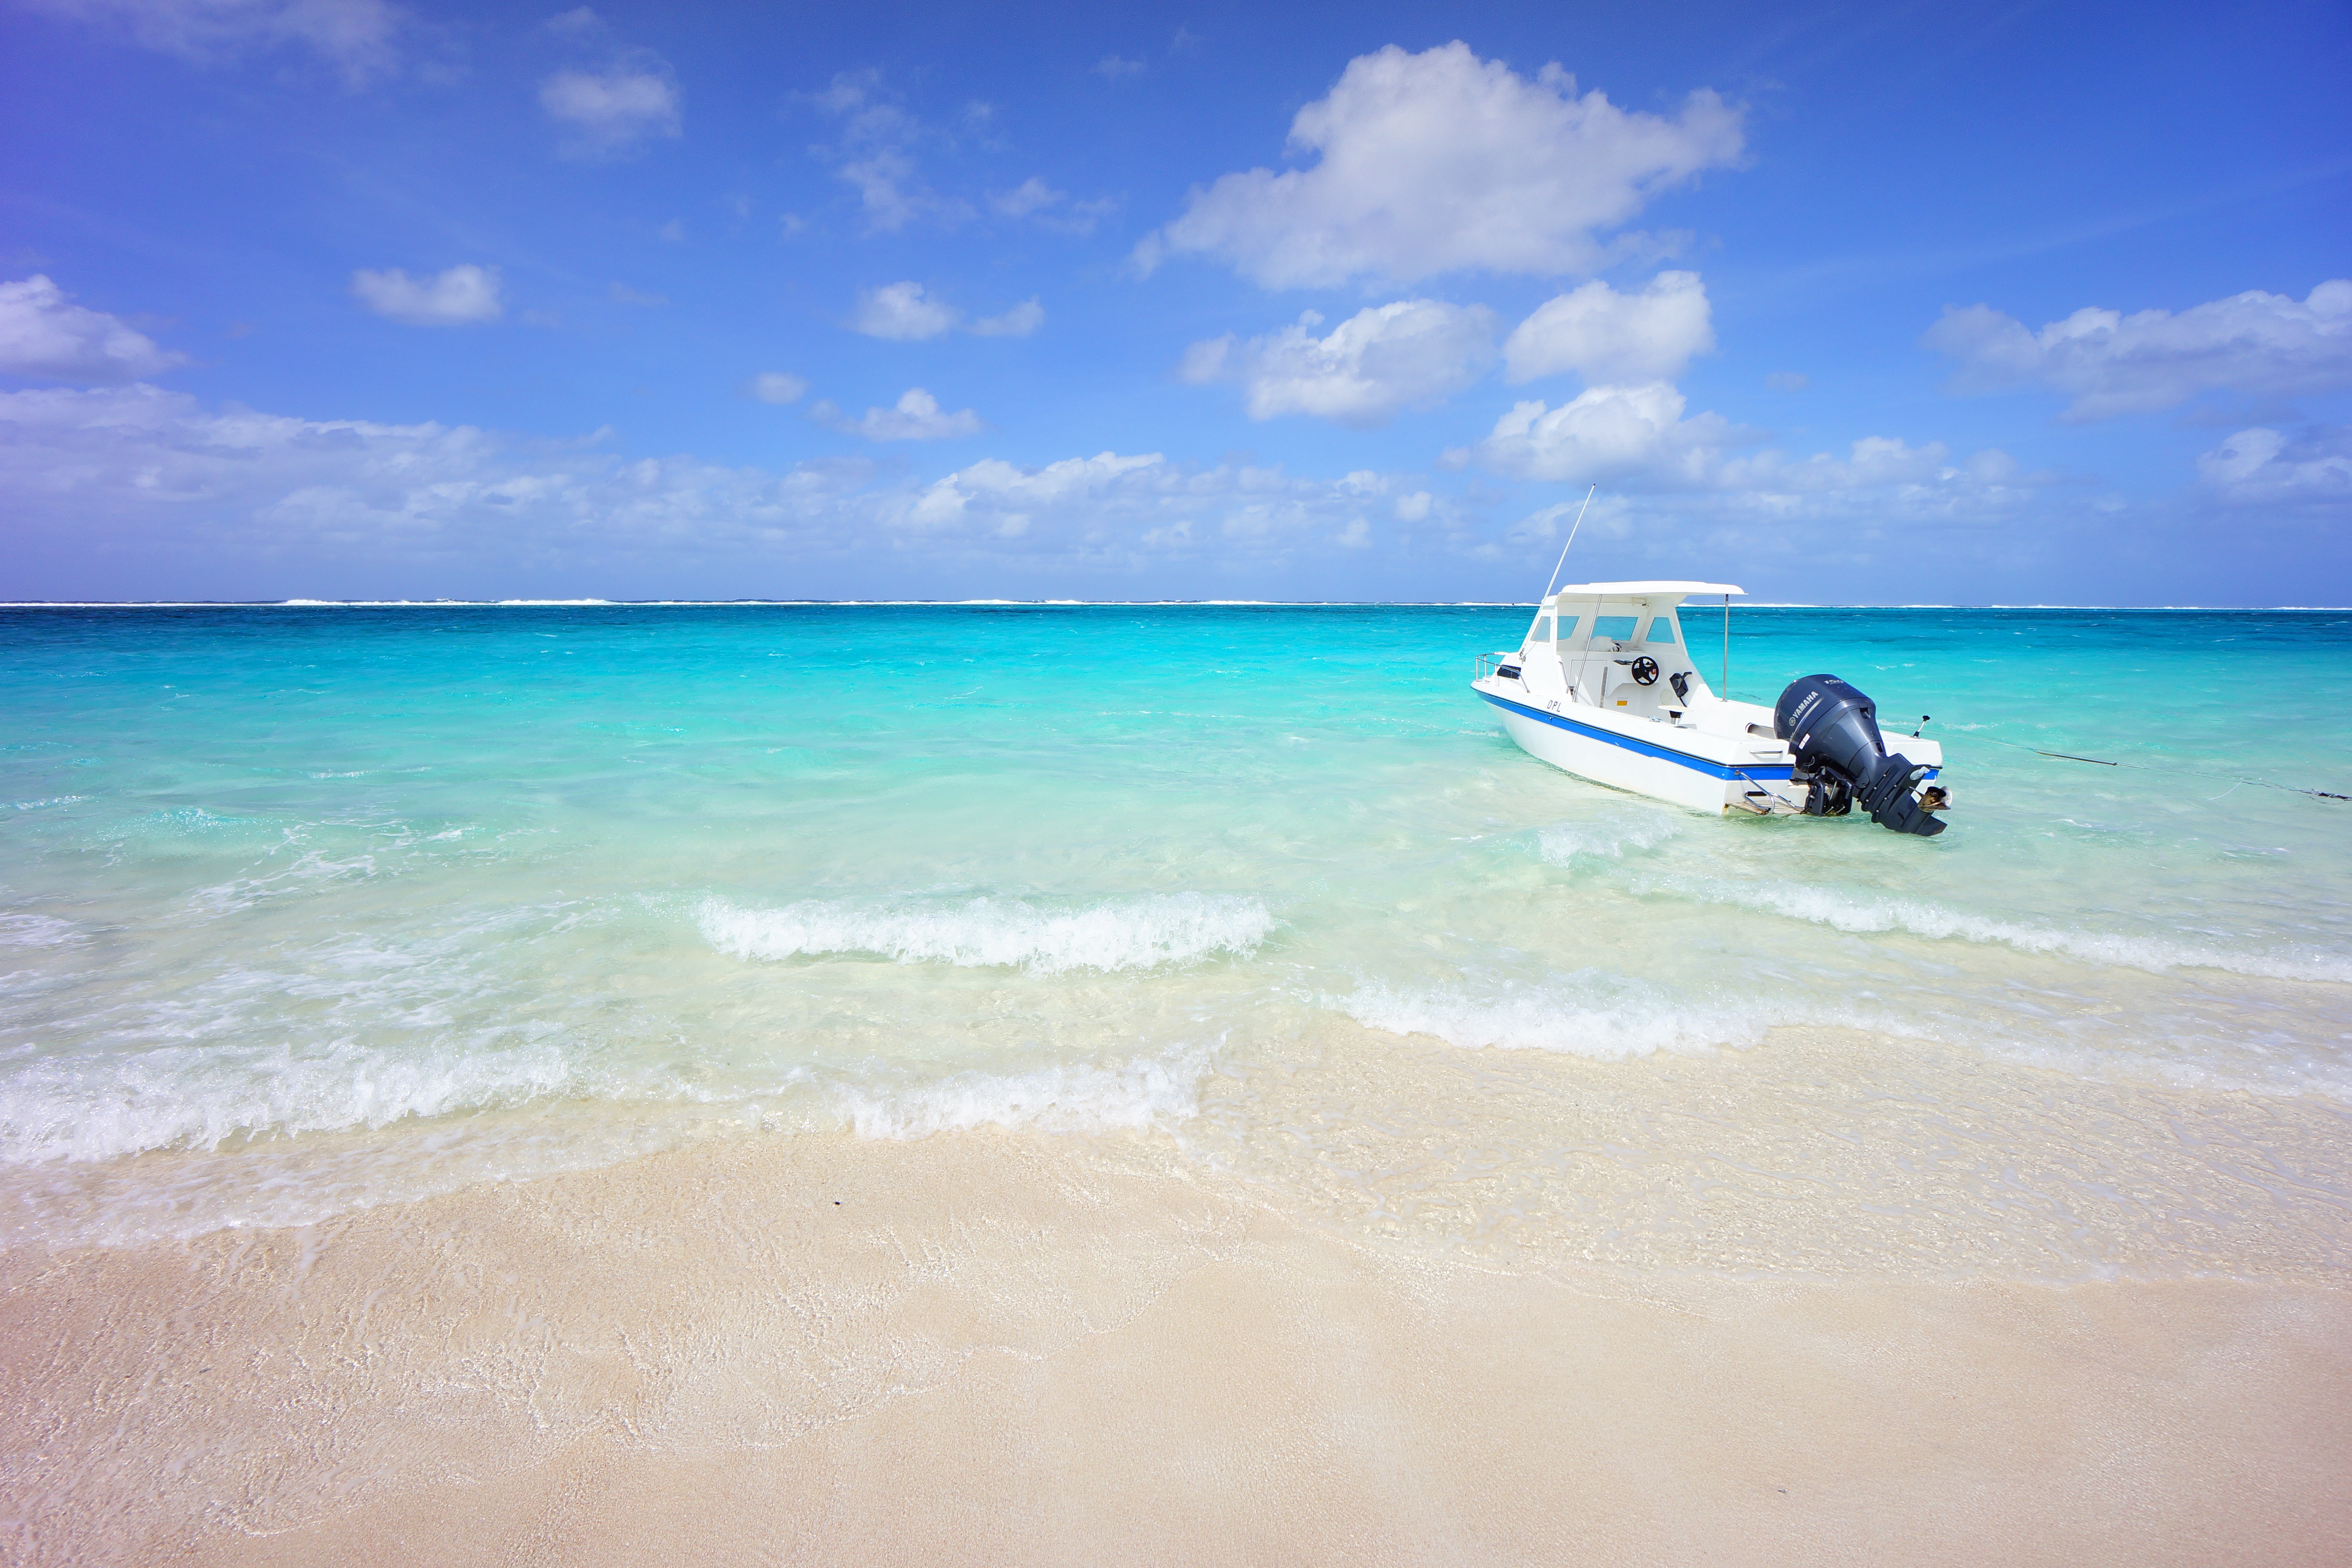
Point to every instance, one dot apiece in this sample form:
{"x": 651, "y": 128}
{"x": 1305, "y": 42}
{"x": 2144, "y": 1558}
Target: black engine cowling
{"x": 1832, "y": 734}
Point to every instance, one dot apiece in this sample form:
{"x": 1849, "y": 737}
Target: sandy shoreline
{"x": 988, "y": 1347}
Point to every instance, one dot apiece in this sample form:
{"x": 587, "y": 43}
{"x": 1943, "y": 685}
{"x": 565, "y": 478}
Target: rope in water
{"x": 2146, "y": 768}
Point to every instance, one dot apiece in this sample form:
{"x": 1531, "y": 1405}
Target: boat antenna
{"x": 1571, "y": 540}
{"x": 1726, "y": 648}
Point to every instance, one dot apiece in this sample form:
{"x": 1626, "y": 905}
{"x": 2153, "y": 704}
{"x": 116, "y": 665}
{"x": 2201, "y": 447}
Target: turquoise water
{"x": 309, "y": 907}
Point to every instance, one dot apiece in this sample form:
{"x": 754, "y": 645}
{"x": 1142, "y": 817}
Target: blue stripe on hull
{"x": 1642, "y": 747}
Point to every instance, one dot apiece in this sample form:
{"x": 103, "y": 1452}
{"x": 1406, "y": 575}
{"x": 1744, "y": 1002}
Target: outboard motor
{"x": 1832, "y": 735}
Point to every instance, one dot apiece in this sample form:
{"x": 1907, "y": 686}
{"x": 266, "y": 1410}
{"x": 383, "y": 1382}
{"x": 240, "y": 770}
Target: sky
{"x": 1859, "y": 304}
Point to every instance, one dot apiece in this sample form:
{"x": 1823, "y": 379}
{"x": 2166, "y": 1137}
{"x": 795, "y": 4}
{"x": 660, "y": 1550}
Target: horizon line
{"x": 1042, "y": 603}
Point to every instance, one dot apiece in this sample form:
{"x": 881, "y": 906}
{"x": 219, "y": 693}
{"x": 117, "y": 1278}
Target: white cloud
{"x": 1441, "y": 161}
{"x": 2311, "y": 470}
{"x": 1637, "y": 441}
{"x": 609, "y": 112}
{"x": 1411, "y": 352}
{"x": 137, "y": 474}
{"x": 1787, "y": 380}
{"x": 1040, "y": 203}
{"x": 2112, "y": 363}
{"x": 775, "y": 386}
{"x": 1017, "y": 322}
{"x": 1125, "y": 510}
{"x": 874, "y": 155}
{"x": 139, "y": 492}
{"x": 1032, "y": 195}
{"x": 881, "y": 176}
{"x": 917, "y": 417}
{"x": 44, "y": 333}
{"x": 1610, "y": 432}
{"x": 1605, "y": 336}
{"x": 459, "y": 297}
{"x": 359, "y": 37}
{"x": 1111, "y": 67}
{"x": 901, "y": 312}
{"x": 904, "y": 312}
{"x": 998, "y": 487}
{"x": 622, "y": 294}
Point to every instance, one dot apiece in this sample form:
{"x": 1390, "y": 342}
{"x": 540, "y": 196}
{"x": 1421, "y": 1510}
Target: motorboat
{"x": 1604, "y": 687}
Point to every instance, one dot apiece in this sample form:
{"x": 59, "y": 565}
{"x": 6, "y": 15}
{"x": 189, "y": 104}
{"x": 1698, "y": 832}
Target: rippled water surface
{"x": 302, "y": 907}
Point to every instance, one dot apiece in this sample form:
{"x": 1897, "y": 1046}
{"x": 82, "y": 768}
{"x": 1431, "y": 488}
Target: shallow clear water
{"x": 303, "y": 907}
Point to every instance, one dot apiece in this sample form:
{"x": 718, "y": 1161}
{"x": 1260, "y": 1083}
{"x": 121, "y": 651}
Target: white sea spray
{"x": 1141, "y": 932}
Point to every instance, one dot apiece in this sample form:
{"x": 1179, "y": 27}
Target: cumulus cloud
{"x": 2309, "y": 471}
{"x": 1411, "y": 352}
{"x": 901, "y": 312}
{"x": 1440, "y": 161}
{"x": 917, "y": 417}
{"x": 140, "y": 490}
{"x": 1638, "y": 441}
{"x": 360, "y": 38}
{"x": 1115, "y": 510}
{"x": 459, "y": 297}
{"x": 43, "y": 333}
{"x": 610, "y": 112}
{"x": 1017, "y": 322}
{"x": 775, "y": 386}
{"x": 2112, "y": 363}
{"x": 1605, "y": 336}
{"x": 1606, "y": 433}
{"x": 1008, "y": 494}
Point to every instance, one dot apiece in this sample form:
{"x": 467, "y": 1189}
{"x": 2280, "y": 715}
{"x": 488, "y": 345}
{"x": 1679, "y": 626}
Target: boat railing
{"x": 1488, "y": 661}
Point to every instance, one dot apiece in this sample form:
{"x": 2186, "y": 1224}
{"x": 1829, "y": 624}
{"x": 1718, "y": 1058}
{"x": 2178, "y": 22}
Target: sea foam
{"x": 1081, "y": 1096}
{"x": 202, "y": 1097}
{"x": 1119, "y": 934}
{"x": 1866, "y": 913}
{"x": 1592, "y": 1014}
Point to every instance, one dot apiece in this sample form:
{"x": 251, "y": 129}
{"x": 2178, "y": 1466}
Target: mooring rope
{"x": 2148, "y": 768}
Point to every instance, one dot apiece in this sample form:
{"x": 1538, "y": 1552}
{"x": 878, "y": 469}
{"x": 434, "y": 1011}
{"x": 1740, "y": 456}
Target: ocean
{"x": 310, "y": 908}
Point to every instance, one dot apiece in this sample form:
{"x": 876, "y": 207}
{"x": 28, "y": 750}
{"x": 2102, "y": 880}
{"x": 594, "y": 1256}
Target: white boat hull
{"x": 1603, "y": 687}
{"x": 1584, "y": 742}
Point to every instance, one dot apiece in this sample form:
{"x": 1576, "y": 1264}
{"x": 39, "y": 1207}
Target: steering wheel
{"x": 1645, "y": 671}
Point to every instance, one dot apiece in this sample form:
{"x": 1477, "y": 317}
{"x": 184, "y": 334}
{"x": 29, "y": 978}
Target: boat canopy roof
{"x": 1672, "y": 593}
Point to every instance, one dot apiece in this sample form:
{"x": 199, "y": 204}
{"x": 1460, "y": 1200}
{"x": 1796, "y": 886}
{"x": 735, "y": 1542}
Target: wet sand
{"x": 986, "y": 1347}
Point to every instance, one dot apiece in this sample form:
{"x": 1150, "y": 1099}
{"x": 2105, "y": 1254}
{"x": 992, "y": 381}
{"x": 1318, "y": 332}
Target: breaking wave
{"x": 1863, "y": 913}
{"x": 1120, "y": 933}
{"x": 1592, "y": 1014}
{"x": 202, "y": 1097}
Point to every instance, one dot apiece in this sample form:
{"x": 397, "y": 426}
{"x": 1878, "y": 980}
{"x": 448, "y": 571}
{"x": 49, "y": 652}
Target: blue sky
{"x": 1999, "y": 304}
